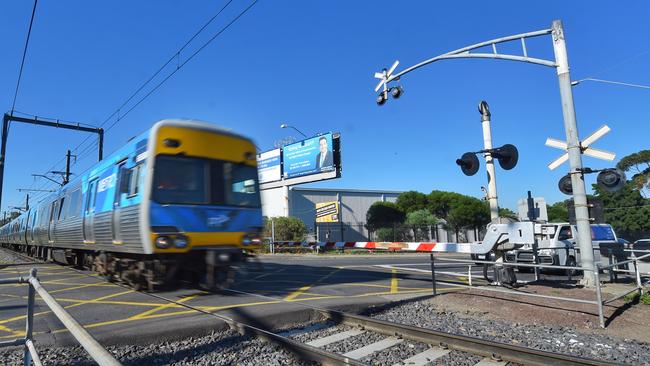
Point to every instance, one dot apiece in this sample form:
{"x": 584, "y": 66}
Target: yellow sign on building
{"x": 327, "y": 212}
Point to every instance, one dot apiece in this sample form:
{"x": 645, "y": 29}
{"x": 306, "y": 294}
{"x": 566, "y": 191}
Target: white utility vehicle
{"x": 557, "y": 245}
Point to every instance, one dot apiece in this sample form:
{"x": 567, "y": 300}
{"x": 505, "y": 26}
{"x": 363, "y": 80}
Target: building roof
{"x": 344, "y": 190}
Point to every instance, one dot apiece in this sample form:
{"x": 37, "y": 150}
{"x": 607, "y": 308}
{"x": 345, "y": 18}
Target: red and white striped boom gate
{"x": 498, "y": 236}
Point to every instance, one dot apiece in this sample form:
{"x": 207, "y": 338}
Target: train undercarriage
{"x": 209, "y": 269}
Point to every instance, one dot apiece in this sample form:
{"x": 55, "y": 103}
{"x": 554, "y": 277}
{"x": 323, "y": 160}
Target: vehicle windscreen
{"x": 197, "y": 181}
{"x": 602, "y": 233}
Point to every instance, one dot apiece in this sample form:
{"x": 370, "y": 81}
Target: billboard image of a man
{"x": 324, "y": 158}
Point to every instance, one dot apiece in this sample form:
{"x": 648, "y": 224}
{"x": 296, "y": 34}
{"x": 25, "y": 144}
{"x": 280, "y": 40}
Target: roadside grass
{"x": 634, "y": 297}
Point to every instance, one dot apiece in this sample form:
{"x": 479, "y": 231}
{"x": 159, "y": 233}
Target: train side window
{"x": 134, "y": 183}
{"x": 74, "y": 204}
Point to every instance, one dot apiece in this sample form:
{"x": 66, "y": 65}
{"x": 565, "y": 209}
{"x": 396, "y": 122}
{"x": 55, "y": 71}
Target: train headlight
{"x": 164, "y": 242}
{"x": 246, "y": 240}
{"x": 180, "y": 242}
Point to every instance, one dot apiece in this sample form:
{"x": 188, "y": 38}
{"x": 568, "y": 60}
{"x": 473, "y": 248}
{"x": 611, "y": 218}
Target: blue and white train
{"x": 179, "y": 200}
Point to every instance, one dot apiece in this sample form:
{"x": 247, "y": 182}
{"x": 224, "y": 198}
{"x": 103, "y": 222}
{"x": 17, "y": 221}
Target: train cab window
{"x": 243, "y": 188}
{"x": 181, "y": 180}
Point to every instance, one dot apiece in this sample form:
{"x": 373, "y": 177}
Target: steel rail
{"x": 496, "y": 350}
{"x": 486, "y": 348}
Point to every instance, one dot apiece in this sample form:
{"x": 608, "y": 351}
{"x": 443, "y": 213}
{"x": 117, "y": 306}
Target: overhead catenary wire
{"x": 22, "y": 62}
{"x": 175, "y": 56}
{"x": 81, "y": 154}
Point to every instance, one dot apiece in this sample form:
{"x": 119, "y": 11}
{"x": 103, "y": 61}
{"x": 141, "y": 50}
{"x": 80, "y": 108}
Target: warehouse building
{"x": 301, "y": 203}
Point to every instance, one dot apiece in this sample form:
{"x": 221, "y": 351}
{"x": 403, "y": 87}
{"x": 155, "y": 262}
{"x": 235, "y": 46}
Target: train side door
{"x": 89, "y": 212}
{"x": 51, "y": 224}
{"x": 32, "y": 228}
{"x": 122, "y": 177}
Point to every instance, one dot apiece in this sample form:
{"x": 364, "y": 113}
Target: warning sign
{"x": 327, "y": 212}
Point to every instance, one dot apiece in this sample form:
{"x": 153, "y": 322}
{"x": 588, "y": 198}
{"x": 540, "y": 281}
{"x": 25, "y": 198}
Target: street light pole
{"x": 284, "y": 125}
{"x": 575, "y": 152}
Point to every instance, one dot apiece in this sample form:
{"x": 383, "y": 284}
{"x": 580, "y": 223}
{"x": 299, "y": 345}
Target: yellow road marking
{"x": 297, "y": 293}
{"x": 393, "y": 282}
{"x": 14, "y": 333}
{"x": 162, "y": 307}
{"x": 303, "y": 289}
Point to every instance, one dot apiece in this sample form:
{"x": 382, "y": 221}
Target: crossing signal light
{"x": 611, "y": 180}
{"x": 565, "y": 185}
{"x": 468, "y": 163}
{"x": 508, "y": 156}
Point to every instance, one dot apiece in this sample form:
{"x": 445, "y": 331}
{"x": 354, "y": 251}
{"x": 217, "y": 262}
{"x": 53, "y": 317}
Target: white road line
{"x": 424, "y": 358}
{"x": 320, "y": 342}
{"x": 456, "y": 274}
{"x": 362, "y": 352}
{"x": 491, "y": 362}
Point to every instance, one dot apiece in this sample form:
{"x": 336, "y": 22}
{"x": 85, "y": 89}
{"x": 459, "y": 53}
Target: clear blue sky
{"x": 311, "y": 64}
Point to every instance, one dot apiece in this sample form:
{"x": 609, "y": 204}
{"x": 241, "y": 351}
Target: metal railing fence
{"x": 98, "y": 353}
{"x": 599, "y": 302}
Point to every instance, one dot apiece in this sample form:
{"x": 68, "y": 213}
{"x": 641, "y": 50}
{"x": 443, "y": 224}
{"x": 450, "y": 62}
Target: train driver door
{"x": 89, "y": 213}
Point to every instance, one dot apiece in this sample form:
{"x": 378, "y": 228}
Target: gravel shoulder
{"x": 501, "y": 319}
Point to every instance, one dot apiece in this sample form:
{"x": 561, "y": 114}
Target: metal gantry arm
{"x": 465, "y": 52}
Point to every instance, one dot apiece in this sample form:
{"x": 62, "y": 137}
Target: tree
{"x": 508, "y": 213}
{"x": 383, "y": 214}
{"x": 286, "y": 228}
{"x": 420, "y": 218}
{"x": 626, "y": 210}
{"x": 558, "y": 212}
{"x": 639, "y": 164}
{"x": 420, "y": 222}
{"x": 468, "y": 212}
{"x": 441, "y": 202}
{"x": 412, "y": 201}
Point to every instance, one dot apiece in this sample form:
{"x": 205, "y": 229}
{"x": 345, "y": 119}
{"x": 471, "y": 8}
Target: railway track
{"x": 383, "y": 335}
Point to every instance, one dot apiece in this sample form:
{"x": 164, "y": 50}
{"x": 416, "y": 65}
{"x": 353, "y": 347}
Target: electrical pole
{"x": 40, "y": 122}
{"x": 575, "y": 154}
{"x": 66, "y": 178}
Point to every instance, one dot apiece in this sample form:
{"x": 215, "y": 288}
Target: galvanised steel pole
{"x": 575, "y": 153}
{"x": 484, "y": 109}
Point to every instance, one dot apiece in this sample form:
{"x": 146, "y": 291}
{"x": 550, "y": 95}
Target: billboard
{"x": 327, "y": 212}
{"x": 310, "y": 156}
{"x": 268, "y": 166}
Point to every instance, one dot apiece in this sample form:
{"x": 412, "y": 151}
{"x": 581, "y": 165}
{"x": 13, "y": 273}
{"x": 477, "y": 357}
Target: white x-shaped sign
{"x": 584, "y": 145}
{"x": 384, "y": 75}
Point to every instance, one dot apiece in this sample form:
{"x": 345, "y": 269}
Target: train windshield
{"x": 196, "y": 181}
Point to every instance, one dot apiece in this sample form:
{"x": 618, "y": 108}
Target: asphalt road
{"x": 267, "y": 293}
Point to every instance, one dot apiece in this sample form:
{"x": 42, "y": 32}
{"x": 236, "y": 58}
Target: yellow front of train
{"x": 201, "y": 190}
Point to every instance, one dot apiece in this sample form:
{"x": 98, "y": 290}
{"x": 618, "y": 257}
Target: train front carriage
{"x": 178, "y": 201}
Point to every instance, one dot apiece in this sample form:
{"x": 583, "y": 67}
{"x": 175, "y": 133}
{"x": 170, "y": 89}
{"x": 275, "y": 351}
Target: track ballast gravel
{"x": 225, "y": 348}
{"x": 547, "y": 338}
